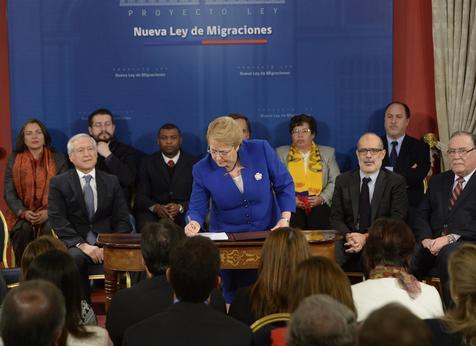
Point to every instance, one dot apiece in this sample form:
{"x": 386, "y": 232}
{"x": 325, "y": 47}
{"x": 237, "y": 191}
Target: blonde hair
{"x": 225, "y": 130}
{"x": 462, "y": 273}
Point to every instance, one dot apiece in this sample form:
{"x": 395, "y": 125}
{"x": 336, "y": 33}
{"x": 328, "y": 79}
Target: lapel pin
{"x": 258, "y": 176}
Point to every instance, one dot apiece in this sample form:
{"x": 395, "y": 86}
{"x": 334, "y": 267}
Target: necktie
{"x": 456, "y": 191}
{"x": 171, "y": 163}
{"x": 392, "y": 158}
{"x": 89, "y": 201}
{"x": 364, "y": 205}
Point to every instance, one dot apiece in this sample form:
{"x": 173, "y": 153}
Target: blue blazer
{"x": 268, "y": 189}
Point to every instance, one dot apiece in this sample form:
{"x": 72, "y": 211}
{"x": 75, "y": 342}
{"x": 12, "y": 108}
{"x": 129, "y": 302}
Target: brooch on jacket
{"x": 258, "y": 176}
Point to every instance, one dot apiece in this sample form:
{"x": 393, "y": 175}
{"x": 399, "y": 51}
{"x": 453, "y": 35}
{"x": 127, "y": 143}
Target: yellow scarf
{"x": 311, "y": 180}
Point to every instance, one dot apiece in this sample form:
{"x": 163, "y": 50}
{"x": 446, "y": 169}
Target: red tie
{"x": 456, "y": 191}
{"x": 171, "y": 163}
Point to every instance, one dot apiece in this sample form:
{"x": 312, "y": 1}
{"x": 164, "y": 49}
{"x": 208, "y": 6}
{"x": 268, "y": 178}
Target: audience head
{"x": 82, "y": 152}
{"x": 394, "y": 325}
{"x": 397, "y": 118}
{"x": 370, "y": 153}
{"x": 37, "y": 247}
{"x": 321, "y": 275}
{"x": 303, "y": 130}
{"x": 32, "y": 136}
{"x": 224, "y": 137}
{"x": 243, "y": 123}
{"x": 101, "y": 125}
{"x": 169, "y": 139}
{"x": 322, "y": 321}
{"x": 194, "y": 269}
{"x": 462, "y": 274}
{"x": 282, "y": 251}
{"x": 462, "y": 153}
{"x": 33, "y": 314}
{"x": 58, "y": 267}
{"x": 390, "y": 242}
{"x": 157, "y": 240}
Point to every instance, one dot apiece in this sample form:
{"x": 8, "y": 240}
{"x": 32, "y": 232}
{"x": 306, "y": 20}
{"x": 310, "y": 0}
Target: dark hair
{"x": 37, "y": 247}
{"x": 97, "y": 112}
{"x": 20, "y": 141}
{"x": 390, "y": 242}
{"x": 394, "y": 325}
{"x": 464, "y": 133}
{"x": 33, "y": 314}
{"x": 157, "y": 239}
{"x": 405, "y": 107}
{"x": 303, "y": 118}
{"x": 58, "y": 267}
{"x": 169, "y": 126}
{"x": 243, "y": 117}
{"x": 194, "y": 269}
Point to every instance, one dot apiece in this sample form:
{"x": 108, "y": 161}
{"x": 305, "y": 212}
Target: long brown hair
{"x": 321, "y": 275}
{"x": 462, "y": 272}
{"x": 282, "y": 251}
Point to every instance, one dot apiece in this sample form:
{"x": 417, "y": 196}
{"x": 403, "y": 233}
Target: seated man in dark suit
{"x": 405, "y": 155}
{"x": 165, "y": 180}
{"x": 154, "y": 294}
{"x": 83, "y": 202}
{"x": 363, "y": 195}
{"x": 447, "y": 215}
{"x": 193, "y": 273}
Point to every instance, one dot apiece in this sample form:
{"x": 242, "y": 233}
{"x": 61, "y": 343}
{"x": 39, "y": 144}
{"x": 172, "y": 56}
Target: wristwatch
{"x": 180, "y": 209}
{"x": 451, "y": 239}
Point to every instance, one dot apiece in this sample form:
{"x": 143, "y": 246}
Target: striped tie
{"x": 456, "y": 191}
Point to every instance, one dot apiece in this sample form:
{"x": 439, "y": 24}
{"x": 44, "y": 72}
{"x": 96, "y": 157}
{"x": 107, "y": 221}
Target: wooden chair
{"x": 10, "y": 273}
{"x": 270, "y": 319}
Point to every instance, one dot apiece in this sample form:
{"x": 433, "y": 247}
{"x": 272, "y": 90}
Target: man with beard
{"x": 114, "y": 157}
{"x": 363, "y": 195}
{"x": 165, "y": 180}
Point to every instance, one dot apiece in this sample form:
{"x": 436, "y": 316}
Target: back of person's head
{"x": 394, "y": 325}
{"x": 322, "y": 321}
{"x": 390, "y": 242}
{"x": 37, "y": 247}
{"x": 321, "y": 275}
{"x": 33, "y": 314}
{"x": 462, "y": 273}
{"x": 58, "y": 267}
{"x": 194, "y": 269}
{"x": 157, "y": 239}
{"x": 282, "y": 251}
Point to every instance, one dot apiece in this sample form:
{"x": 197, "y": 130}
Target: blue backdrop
{"x": 188, "y": 61}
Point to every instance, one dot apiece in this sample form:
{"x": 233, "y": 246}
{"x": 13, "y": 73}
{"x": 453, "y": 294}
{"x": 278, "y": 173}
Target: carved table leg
{"x": 110, "y": 285}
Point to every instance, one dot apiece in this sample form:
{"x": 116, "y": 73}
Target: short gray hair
{"x": 322, "y": 321}
{"x": 75, "y": 138}
{"x": 464, "y": 133}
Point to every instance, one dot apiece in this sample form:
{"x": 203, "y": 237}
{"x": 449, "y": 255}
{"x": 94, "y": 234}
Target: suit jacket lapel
{"x": 161, "y": 166}
{"x": 402, "y": 153}
{"x": 355, "y": 194}
{"x": 468, "y": 189}
{"x": 78, "y": 191}
{"x": 378, "y": 193}
{"x": 101, "y": 191}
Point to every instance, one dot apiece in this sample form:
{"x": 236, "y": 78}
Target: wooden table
{"x": 122, "y": 253}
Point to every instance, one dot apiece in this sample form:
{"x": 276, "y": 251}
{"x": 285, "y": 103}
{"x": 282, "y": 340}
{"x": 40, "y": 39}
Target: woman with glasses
{"x": 314, "y": 170}
{"x": 29, "y": 170}
{"x": 244, "y": 185}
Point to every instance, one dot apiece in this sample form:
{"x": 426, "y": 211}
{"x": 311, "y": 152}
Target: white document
{"x": 214, "y": 236}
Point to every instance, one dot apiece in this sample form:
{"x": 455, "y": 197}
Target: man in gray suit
{"x": 363, "y": 195}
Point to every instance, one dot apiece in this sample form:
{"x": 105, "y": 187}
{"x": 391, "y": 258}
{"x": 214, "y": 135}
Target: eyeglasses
{"x": 372, "y": 151}
{"x": 460, "y": 151}
{"x": 222, "y": 153}
{"x": 99, "y": 125}
{"x": 300, "y": 131}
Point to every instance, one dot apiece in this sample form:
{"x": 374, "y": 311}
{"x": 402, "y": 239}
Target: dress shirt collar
{"x": 81, "y": 174}
{"x": 399, "y": 145}
{"x": 174, "y": 159}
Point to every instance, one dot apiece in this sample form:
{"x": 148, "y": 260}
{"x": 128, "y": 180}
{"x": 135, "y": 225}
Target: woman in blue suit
{"x": 249, "y": 188}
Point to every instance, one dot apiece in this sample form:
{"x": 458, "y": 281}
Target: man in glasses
{"x": 114, "y": 157}
{"x": 165, "y": 180}
{"x": 447, "y": 215}
{"x": 363, "y": 195}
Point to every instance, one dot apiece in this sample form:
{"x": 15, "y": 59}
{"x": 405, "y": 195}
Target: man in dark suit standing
{"x": 194, "y": 273}
{"x": 405, "y": 155}
{"x": 155, "y": 294}
{"x": 447, "y": 214}
{"x": 114, "y": 157}
{"x": 363, "y": 195}
{"x": 165, "y": 180}
{"x": 83, "y": 202}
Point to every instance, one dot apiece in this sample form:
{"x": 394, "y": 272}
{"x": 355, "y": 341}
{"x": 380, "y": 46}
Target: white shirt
{"x": 174, "y": 159}
{"x": 397, "y": 148}
{"x": 92, "y": 182}
{"x": 371, "y": 184}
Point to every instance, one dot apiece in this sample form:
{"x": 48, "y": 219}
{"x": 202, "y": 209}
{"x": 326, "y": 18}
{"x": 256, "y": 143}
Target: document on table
{"x": 214, "y": 236}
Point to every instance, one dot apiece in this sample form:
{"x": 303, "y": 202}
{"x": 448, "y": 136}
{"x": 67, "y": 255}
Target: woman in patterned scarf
{"x": 314, "y": 170}
{"x": 27, "y": 176}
